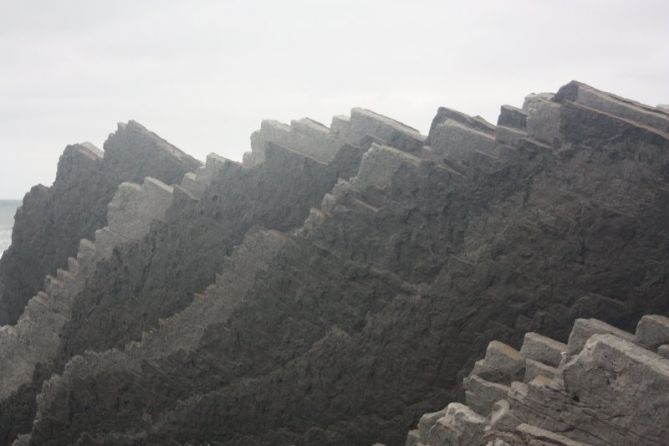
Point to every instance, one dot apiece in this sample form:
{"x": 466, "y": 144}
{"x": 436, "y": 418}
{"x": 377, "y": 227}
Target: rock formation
{"x": 604, "y": 387}
{"x": 342, "y": 281}
{"x": 53, "y": 220}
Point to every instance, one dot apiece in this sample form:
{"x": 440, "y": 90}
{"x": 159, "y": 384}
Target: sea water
{"x": 7, "y": 211}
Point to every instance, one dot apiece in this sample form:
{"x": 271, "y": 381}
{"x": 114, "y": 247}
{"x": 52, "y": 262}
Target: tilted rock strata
{"x": 348, "y": 329}
{"x": 213, "y": 313}
{"x": 35, "y": 337}
{"x": 85, "y": 180}
{"x": 608, "y": 389}
{"x": 52, "y": 221}
{"x": 213, "y": 209}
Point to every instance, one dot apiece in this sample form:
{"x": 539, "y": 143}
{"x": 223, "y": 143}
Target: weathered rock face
{"x": 344, "y": 323}
{"x": 52, "y": 220}
{"x": 607, "y": 389}
{"x": 158, "y": 268}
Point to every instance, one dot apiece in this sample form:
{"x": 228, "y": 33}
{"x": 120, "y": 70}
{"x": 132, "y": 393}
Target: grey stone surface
{"x": 615, "y": 105}
{"x": 35, "y": 337}
{"x": 460, "y": 426}
{"x": 427, "y": 423}
{"x": 413, "y": 438}
{"x": 536, "y": 368}
{"x": 513, "y": 117}
{"x": 613, "y": 392}
{"x": 393, "y": 133}
{"x": 534, "y": 435}
{"x": 542, "y": 349}
{"x": 543, "y": 121}
{"x": 502, "y": 364}
{"x": 584, "y": 328}
{"x": 165, "y": 284}
{"x": 663, "y": 350}
{"x": 653, "y": 331}
{"x": 628, "y": 384}
{"x": 52, "y": 220}
{"x": 376, "y": 294}
{"x": 481, "y": 395}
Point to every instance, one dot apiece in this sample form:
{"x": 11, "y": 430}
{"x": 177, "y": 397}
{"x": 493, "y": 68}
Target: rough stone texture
{"x": 367, "y": 123}
{"x": 543, "y": 121}
{"x": 663, "y": 350}
{"x": 536, "y": 368}
{"x": 343, "y": 330}
{"x": 35, "y": 337}
{"x": 52, "y": 220}
{"x": 481, "y": 395}
{"x": 214, "y": 208}
{"x": 458, "y": 427}
{"x": 542, "y": 349}
{"x": 502, "y": 364}
{"x": 615, "y": 105}
{"x": 28, "y": 347}
{"x": 653, "y": 331}
{"x": 584, "y": 328}
{"x": 611, "y": 392}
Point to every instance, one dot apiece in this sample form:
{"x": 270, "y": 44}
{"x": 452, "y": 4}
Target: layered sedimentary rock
{"x": 605, "y": 387}
{"x": 345, "y": 317}
{"x": 157, "y": 275}
{"x": 36, "y": 336}
{"x": 52, "y": 220}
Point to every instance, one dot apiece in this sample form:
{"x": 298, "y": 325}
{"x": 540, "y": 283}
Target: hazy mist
{"x": 203, "y": 74}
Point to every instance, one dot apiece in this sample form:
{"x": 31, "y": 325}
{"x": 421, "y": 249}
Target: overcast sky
{"x": 203, "y": 74}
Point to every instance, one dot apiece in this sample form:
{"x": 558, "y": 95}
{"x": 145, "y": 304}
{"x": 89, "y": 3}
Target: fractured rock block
{"x": 512, "y": 117}
{"x": 609, "y": 103}
{"x": 535, "y": 436}
{"x": 543, "y": 349}
{"x": 380, "y": 164}
{"x": 304, "y": 136}
{"x": 584, "y": 328}
{"x": 474, "y": 122}
{"x": 460, "y": 426}
{"x": 508, "y": 135}
{"x": 413, "y": 438}
{"x": 535, "y": 368}
{"x": 340, "y": 125}
{"x": 653, "y": 331}
{"x": 543, "y": 119}
{"x": 502, "y": 417}
{"x": 481, "y": 395}
{"x": 192, "y": 185}
{"x": 502, "y": 364}
{"x": 393, "y": 133}
{"x": 427, "y": 422}
{"x": 628, "y": 384}
{"x": 663, "y": 350}
{"x": 459, "y": 141}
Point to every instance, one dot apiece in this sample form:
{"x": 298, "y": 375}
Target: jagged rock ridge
{"x": 52, "y": 221}
{"x": 212, "y": 210}
{"x": 605, "y": 387}
{"x": 346, "y": 330}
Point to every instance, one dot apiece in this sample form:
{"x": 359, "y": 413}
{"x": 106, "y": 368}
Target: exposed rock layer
{"x": 52, "y": 221}
{"x": 344, "y": 323}
{"x": 608, "y": 389}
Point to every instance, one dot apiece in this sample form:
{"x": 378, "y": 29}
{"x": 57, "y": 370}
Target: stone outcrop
{"x": 213, "y": 208}
{"x": 52, "y": 220}
{"x": 35, "y": 338}
{"x": 342, "y": 281}
{"x": 610, "y": 387}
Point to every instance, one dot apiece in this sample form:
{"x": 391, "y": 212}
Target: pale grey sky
{"x": 203, "y": 74}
